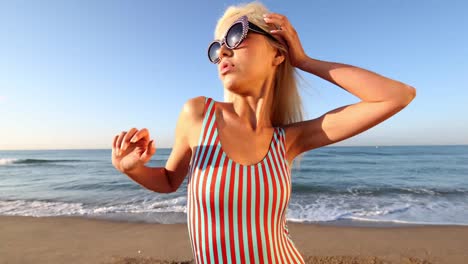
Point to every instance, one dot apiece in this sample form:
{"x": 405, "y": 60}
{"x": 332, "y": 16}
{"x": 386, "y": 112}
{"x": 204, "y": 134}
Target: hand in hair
{"x": 287, "y": 35}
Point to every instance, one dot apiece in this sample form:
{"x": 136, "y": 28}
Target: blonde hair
{"x": 287, "y": 105}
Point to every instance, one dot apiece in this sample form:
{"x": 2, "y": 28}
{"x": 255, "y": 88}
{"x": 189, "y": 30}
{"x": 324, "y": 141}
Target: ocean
{"x": 367, "y": 186}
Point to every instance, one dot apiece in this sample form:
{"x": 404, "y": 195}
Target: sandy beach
{"x": 80, "y": 240}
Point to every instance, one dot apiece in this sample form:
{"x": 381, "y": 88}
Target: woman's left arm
{"x": 381, "y": 97}
{"x": 367, "y": 85}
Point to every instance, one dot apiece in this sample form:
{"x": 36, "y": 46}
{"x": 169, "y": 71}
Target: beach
{"x": 406, "y": 204}
{"x": 25, "y": 239}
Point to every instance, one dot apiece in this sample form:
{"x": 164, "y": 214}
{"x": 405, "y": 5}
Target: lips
{"x": 226, "y": 67}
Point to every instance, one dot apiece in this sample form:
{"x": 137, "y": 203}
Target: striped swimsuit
{"x": 237, "y": 213}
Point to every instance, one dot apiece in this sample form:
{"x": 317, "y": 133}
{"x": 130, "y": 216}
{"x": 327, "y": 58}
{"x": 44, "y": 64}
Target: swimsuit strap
{"x": 209, "y": 130}
{"x": 205, "y": 129}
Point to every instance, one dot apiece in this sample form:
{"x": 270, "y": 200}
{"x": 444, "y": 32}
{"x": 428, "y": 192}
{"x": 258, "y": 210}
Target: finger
{"x": 127, "y": 137}
{"x": 150, "y": 150}
{"x": 280, "y": 32}
{"x": 114, "y": 142}
{"x": 276, "y": 19}
{"x": 119, "y": 141}
{"x": 276, "y": 22}
{"x": 143, "y": 133}
{"x": 273, "y": 21}
{"x": 281, "y": 36}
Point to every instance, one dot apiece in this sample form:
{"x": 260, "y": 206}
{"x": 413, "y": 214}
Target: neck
{"x": 254, "y": 108}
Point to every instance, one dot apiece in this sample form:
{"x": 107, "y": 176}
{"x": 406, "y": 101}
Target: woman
{"x": 238, "y": 153}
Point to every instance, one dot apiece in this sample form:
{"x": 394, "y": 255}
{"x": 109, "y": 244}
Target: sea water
{"x": 383, "y": 185}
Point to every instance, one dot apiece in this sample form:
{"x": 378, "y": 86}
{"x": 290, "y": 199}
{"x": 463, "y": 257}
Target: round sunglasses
{"x": 234, "y": 36}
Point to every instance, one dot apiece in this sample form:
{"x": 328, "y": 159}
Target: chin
{"x": 234, "y": 84}
{"x": 230, "y": 83}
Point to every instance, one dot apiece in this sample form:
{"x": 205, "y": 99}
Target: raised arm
{"x": 381, "y": 97}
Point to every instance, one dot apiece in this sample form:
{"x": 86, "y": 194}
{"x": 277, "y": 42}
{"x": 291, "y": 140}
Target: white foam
{"x": 406, "y": 209}
{"x": 7, "y": 161}
{"x": 406, "y": 222}
{"x": 44, "y": 208}
{"x": 397, "y": 209}
{"x": 40, "y": 208}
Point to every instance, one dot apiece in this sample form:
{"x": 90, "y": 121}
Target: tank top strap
{"x": 208, "y": 120}
{"x": 282, "y": 138}
{"x": 282, "y": 144}
{"x": 209, "y": 103}
{"x": 205, "y": 131}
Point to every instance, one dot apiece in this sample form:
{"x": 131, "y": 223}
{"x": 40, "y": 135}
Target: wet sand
{"x": 80, "y": 240}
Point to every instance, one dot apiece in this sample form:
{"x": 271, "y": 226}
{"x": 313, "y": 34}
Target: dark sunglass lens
{"x": 213, "y": 51}
{"x": 234, "y": 35}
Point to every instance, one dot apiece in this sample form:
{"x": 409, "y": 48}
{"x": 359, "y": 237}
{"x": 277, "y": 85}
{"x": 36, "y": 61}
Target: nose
{"x": 224, "y": 51}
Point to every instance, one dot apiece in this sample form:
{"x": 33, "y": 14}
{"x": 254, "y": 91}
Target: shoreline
{"x": 26, "y": 239}
{"x": 334, "y": 223}
{"x": 328, "y": 146}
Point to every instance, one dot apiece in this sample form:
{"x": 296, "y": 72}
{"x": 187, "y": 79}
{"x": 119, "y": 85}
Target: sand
{"x": 79, "y": 240}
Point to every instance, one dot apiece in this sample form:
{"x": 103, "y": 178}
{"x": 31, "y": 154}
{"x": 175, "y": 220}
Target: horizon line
{"x": 328, "y": 146}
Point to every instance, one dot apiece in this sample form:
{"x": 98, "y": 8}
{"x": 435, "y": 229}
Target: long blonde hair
{"x": 287, "y": 105}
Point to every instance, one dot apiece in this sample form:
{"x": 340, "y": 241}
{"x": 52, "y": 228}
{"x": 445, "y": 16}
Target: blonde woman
{"x": 238, "y": 153}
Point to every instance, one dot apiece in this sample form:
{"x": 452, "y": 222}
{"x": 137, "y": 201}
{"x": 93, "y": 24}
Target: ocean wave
{"x": 371, "y": 152}
{"x": 42, "y": 208}
{"x": 328, "y": 209}
{"x": 8, "y": 161}
{"x": 320, "y": 210}
{"x": 95, "y": 186}
{"x": 324, "y": 171}
{"x": 377, "y": 190}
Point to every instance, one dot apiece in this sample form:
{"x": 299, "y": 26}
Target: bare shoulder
{"x": 194, "y": 108}
{"x": 193, "y": 112}
{"x": 178, "y": 163}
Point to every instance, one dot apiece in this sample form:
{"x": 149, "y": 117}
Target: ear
{"x": 279, "y": 58}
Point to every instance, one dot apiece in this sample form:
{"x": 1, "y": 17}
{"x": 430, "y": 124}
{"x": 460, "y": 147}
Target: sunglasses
{"x": 234, "y": 36}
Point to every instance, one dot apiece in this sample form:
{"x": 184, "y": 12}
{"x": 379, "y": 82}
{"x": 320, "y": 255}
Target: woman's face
{"x": 247, "y": 66}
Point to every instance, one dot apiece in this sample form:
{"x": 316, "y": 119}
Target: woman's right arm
{"x": 190, "y": 119}
{"x": 154, "y": 179}
{"x": 160, "y": 179}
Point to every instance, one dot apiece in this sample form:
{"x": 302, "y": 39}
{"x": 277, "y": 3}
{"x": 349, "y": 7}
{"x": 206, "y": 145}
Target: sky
{"x": 73, "y": 74}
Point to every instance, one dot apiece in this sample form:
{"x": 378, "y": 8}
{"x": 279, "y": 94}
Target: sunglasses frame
{"x": 246, "y": 26}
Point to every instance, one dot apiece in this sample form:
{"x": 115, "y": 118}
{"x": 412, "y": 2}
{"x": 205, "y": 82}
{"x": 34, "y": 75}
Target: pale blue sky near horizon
{"x": 75, "y": 73}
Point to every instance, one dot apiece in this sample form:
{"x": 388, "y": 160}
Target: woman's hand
{"x": 287, "y": 35}
{"x": 132, "y": 149}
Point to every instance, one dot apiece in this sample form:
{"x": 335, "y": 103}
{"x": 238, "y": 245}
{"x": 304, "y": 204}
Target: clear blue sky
{"x": 75, "y": 73}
